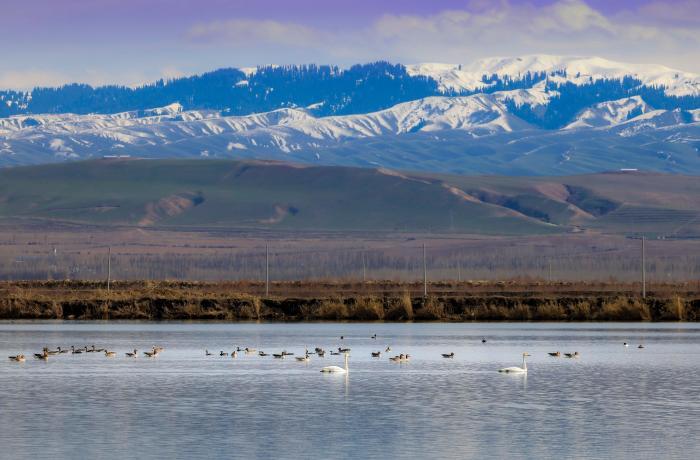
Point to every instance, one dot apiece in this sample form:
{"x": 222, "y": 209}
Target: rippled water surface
{"x": 612, "y": 402}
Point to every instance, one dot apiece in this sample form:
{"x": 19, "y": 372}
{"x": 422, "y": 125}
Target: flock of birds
{"x": 401, "y": 358}
{"x": 46, "y": 353}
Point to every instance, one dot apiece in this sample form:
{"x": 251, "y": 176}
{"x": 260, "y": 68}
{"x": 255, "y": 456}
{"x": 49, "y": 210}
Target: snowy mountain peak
{"x": 579, "y": 70}
{"x": 610, "y": 113}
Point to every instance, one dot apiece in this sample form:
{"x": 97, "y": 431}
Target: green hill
{"x": 267, "y": 195}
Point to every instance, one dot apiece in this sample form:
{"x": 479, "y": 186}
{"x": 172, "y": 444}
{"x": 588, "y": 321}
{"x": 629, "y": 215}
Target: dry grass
{"x": 180, "y": 300}
{"x": 432, "y": 309}
{"x": 366, "y": 309}
{"x": 550, "y": 311}
{"x": 674, "y": 309}
{"x": 580, "y": 311}
{"x": 623, "y": 309}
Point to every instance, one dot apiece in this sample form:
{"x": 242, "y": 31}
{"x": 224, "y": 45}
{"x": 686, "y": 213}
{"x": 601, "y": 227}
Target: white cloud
{"x": 484, "y": 29}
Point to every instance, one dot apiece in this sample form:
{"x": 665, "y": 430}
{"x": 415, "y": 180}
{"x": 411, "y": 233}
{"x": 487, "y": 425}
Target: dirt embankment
{"x": 235, "y": 301}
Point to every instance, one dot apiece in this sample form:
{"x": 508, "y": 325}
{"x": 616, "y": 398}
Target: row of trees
{"x": 330, "y": 90}
{"x": 572, "y": 99}
{"x": 572, "y": 263}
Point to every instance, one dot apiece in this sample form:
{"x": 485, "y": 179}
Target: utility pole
{"x": 267, "y": 270}
{"x": 425, "y": 274}
{"x": 364, "y": 268}
{"x": 644, "y": 268}
{"x": 109, "y": 268}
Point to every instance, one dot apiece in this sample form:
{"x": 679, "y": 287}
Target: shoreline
{"x": 347, "y": 302}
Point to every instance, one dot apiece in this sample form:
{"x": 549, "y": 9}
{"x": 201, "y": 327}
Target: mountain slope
{"x": 578, "y": 70}
{"x": 475, "y": 134}
{"x": 530, "y": 115}
{"x": 248, "y": 195}
{"x": 265, "y": 195}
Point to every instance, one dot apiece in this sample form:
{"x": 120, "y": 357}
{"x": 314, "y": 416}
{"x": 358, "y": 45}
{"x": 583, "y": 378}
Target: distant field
{"x": 217, "y": 194}
{"x": 211, "y": 220}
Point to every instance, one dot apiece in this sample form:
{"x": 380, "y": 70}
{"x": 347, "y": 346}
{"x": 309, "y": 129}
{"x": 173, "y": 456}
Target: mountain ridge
{"x": 545, "y": 121}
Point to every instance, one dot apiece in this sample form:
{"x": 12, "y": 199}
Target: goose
{"x": 18, "y": 358}
{"x": 304, "y": 359}
{"x": 235, "y": 354}
{"x": 207, "y": 352}
{"x": 110, "y": 354}
{"x": 388, "y": 349}
{"x": 159, "y": 349}
{"x": 448, "y": 355}
{"x": 239, "y": 349}
{"x": 483, "y": 340}
{"x": 374, "y": 336}
{"x": 151, "y": 354}
{"x": 625, "y": 344}
{"x": 262, "y": 353}
{"x": 556, "y": 354}
{"x": 572, "y": 355}
{"x": 400, "y": 358}
{"x": 90, "y": 351}
{"x": 286, "y": 353}
{"x": 515, "y": 369}
{"x": 640, "y": 346}
{"x": 62, "y": 351}
{"x": 52, "y": 352}
{"x": 321, "y": 353}
{"x": 336, "y": 369}
{"x": 335, "y": 352}
{"x": 376, "y": 354}
{"x": 132, "y": 355}
{"x": 343, "y": 350}
{"x": 342, "y": 337}
{"x": 278, "y": 355}
{"x": 223, "y": 353}
{"x": 44, "y": 355}
{"x": 319, "y": 350}
{"x": 100, "y": 350}
{"x": 250, "y": 350}
{"x": 75, "y": 351}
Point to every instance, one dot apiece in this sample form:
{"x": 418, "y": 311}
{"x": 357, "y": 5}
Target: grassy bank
{"x": 360, "y": 302}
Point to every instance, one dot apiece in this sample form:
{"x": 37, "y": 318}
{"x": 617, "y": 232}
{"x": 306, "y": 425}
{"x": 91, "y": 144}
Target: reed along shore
{"x": 347, "y": 301}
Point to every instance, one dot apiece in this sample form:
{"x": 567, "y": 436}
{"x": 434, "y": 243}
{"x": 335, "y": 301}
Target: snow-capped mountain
{"x": 610, "y": 113}
{"x": 577, "y": 70}
{"x": 529, "y": 115}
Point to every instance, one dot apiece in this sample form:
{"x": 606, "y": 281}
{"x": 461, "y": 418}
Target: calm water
{"x": 613, "y": 402}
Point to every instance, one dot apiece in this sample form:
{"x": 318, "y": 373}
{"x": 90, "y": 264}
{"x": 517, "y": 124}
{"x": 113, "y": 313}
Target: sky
{"x": 130, "y": 42}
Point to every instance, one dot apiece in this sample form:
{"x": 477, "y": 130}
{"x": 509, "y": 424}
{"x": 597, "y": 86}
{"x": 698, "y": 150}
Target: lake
{"x": 612, "y": 402}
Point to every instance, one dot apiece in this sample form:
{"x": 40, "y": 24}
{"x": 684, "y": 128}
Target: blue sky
{"x": 49, "y": 42}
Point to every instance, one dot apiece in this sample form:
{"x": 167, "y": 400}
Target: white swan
{"x": 515, "y": 369}
{"x": 336, "y": 369}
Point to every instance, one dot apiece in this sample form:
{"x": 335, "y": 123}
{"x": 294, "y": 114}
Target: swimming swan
{"x": 336, "y": 369}
{"x": 515, "y": 369}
